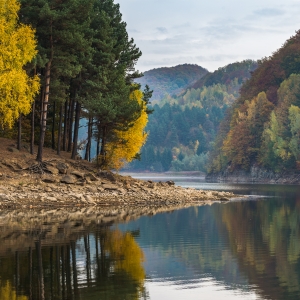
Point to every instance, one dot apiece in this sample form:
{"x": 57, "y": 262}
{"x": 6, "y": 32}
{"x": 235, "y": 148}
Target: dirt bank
{"x": 60, "y": 182}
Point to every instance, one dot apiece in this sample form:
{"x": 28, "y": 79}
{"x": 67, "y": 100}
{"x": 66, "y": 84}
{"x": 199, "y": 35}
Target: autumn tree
{"x": 18, "y": 47}
{"x": 126, "y": 144}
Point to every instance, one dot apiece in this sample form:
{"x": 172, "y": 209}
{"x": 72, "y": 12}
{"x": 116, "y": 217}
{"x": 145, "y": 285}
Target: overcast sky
{"x": 210, "y": 33}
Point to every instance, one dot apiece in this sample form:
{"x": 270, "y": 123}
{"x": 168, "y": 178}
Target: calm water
{"x": 246, "y": 249}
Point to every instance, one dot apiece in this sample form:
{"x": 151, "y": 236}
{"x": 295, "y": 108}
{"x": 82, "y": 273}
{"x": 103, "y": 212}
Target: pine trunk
{"x": 44, "y": 111}
{"x": 59, "y": 129}
{"x": 103, "y": 145}
{"x": 53, "y": 126}
{"x": 65, "y": 127}
{"x": 98, "y": 146}
{"x": 32, "y": 128}
{"x": 76, "y": 128}
{"x": 89, "y": 142}
{"x": 19, "y": 132}
{"x": 70, "y": 127}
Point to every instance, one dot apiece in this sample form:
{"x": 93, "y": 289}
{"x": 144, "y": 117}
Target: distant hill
{"x": 171, "y": 81}
{"x": 183, "y": 127}
{"x": 238, "y": 70}
{"x": 263, "y": 127}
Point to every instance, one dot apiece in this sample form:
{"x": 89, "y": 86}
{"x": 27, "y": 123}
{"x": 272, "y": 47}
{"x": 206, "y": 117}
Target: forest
{"x": 262, "y": 127}
{"x": 171, "y": 81}
{"x": 67, "y": 60}
{"x": 182, "y": 128}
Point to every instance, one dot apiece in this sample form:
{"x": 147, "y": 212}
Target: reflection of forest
{"x": 105, "y": 264}
{"x": 244, "y": 244}
{"x": 265, "y": 238}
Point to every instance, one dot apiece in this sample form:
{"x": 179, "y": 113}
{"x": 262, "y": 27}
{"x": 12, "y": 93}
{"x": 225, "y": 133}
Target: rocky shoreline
{"x": 61, "y": 183}
{"x": 256, "y": 174}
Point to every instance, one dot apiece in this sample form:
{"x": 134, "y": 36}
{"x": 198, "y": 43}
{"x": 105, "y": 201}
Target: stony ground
{"x": 60, "y": 182}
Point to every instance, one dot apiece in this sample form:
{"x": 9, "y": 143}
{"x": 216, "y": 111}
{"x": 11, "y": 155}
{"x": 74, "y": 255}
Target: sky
{"x": 209, "y": 33}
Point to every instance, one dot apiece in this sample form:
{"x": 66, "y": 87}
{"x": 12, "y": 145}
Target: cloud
{"x": 162, "y": 29}
{"x": 269, "y": 12}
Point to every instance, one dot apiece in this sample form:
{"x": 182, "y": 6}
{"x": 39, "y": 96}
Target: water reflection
{"x": 105, "y": 264}
{"x": 240, "y": 250}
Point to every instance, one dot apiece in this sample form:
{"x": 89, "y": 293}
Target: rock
{"x": 68, "y": 179}
{"x": 110, "y": 187}
{"x": 108, "y": 175}
{"x": 12, "y": 149}
{"x": 77, "y": 174}
{"x": 89, "y": 199}
{"x": 151, "y": 185}
{"x": 170, "y": 182}
{"x": 81, "y": 183}
{"x": 52, "y": 170}
{"x": 92, "y": 177}
{"x": 26, "y": 147}
{"x": 51, "y": 199}
{"x": 62, "y": 167}
{"x": 48, "y": 189}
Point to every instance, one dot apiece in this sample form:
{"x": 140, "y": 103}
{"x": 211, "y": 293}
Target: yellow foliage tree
{"x": 18, "y": 47}
{"x": 128, "y": 143}
{"x": 8, "y": 293}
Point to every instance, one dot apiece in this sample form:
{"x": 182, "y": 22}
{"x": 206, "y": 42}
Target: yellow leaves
{"x": 18, "y": 47}
{"x": 7, "y": 293}
{"x": 128, "y": 143}
{"x": 127, "y": 253}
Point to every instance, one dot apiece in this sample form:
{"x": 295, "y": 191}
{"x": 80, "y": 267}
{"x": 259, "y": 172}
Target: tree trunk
{"x": 65, "y": 127}
{"x": 98, "y": 146}
{"x": 76, "y": 128}
{"x": 71, "y": 109}
{"x": 89, "y": 142}
{"x": 19, "y": 132}
{"x": 32, "y": 128}
{"x": 44, "y": 113}
{"x": 40, "y": 270}
{"x": 59, "y": 130}
{"x": 53, "y": 126}
{"x": 103, "y": 145}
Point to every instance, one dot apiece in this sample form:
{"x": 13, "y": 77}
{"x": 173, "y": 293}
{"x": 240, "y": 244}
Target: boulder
{"x": 170, "y": 182}
{"x": 62, "y": 167}
{"x": 52, "y": 170}
{"x": 49, "y": 179}
{"x": 110, "y": 187}
{"x": 108, "y": 175}
{"x": 77, "y": 174}
{"x": 12, "y": 149}
{"x": 68, "y": 179}
{"x": 92, "y": 177}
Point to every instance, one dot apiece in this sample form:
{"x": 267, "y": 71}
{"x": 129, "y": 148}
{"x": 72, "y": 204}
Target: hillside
{"x": 183, "y": 127}
{"x": 238, "y": 70}
{"x": 263, "y": 127}
{"x": 171, "y": 81}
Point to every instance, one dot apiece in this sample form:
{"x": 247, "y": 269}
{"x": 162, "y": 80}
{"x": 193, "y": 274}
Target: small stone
{"x": 49, "y": 179}
{"x": 89, "y": 199}
{"x": 170, "y": 182}
{"x": 12, "y": 149}
{"x": 62, "y": 168}
{"x": 92, "y": 177}
{"x": 52, "y": 170}
{"x": 77, "y": 174}
{"x": 68, "y": 179}
{"x": 111, "y": 187}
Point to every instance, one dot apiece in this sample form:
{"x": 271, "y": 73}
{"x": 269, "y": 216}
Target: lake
{"x": 245, "y": 249}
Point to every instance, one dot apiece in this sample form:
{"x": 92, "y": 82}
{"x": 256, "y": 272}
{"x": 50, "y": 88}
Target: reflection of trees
{"x": 265, "y": 237}
{"x": 106, "y": 264}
